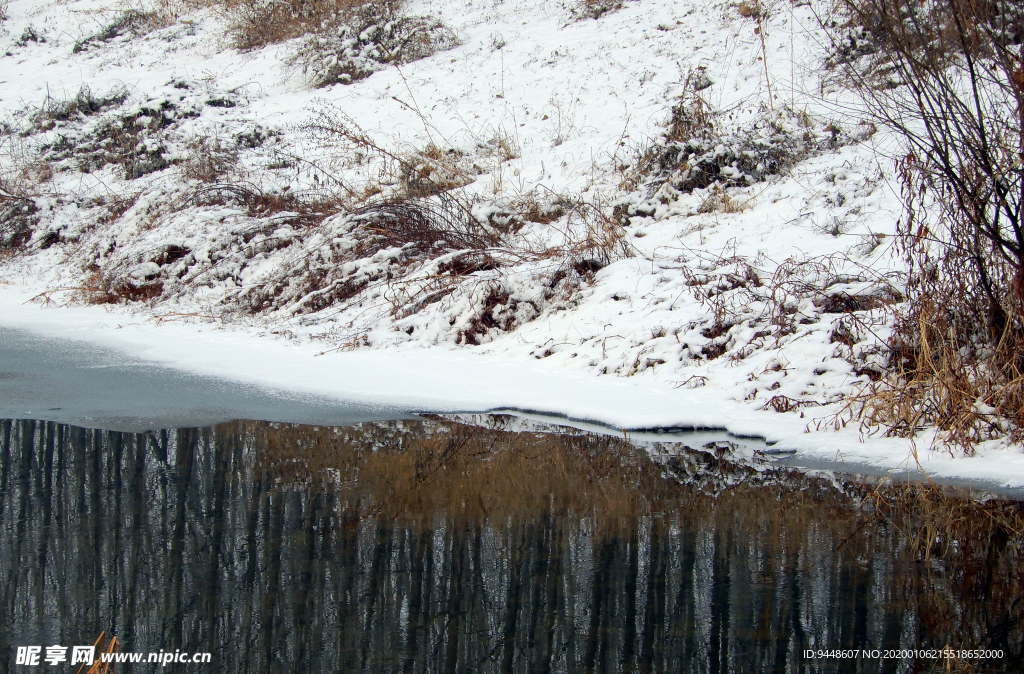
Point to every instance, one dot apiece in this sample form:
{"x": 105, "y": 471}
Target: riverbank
{"x": 465, "y": 379}
{"x": 662, "y": 214}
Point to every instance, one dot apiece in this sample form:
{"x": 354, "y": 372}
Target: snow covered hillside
{"x": 678, "y": 191}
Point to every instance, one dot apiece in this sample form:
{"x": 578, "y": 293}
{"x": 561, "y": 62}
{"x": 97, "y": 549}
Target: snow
{"x": 446, "y": 380}
{"x": 531, "y": 104}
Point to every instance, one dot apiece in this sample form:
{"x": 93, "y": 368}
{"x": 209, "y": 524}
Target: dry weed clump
{"x": 208, "y": 159}
{"x": 253, "y": 24}
{"x": 751, "y": 309}
{"x": 141, "y": 285}
{"x": 396, "y": 170}
{"x": 83, "y": 104}
{"x": 301, "y": 209}
{"x": 697, "y": 155}
{"x": 430, "y": 171}
{"x": 134, "y": 141}
{"x": 947, "y": 78}
{"x": 344, "y": 41}
{"x": 133, "y": 23}
{"x": 86, "y": 133}
{"x": 371, "y": 37}
{"x": 593, "y": 9}
{"x": 373, "y": 247}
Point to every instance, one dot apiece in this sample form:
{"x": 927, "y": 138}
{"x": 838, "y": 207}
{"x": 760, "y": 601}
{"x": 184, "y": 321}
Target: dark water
{"x": 434, "y": 546}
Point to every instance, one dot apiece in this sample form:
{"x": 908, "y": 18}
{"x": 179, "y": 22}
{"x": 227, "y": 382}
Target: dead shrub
{"x": 695, "y": 154}
{"x": 22, "y": 178}
{"x": 253, "y": 24}
{"x": 439, "y": 224}
{"x": 305, "y": 209}
{"x": 771, "y": 145}
{"x": 593, "y": 9}
{"x": 497, "y": 311}
{"x": 344, "y": 40}
{"x": 18, "y": 219}
{"x": 369, "y": 37}
{"x": 953, "y": 92}
{"x": 83, "y": 104}
{"x": 380, "y": 241}
{"x": 736, "y": 292}
{"x": 866, "y": 37}
{"x": 133, "y": 23}
{"x": 208, "y": 159}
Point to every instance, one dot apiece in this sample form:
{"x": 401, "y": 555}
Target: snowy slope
{"x": 759, "y": 298}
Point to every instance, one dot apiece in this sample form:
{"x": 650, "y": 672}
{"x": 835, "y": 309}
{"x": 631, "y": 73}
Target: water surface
{"x": 78, "y": 383}
{"x": 437, "y": 546}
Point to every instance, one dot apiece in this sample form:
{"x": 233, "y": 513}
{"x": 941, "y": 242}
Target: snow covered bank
{"x": 667, "y": 216}
{"x": 470, "y": 379}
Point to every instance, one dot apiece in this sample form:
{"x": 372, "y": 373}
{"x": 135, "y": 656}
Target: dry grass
{"x": 132, "y": 22}
{"x": 593, "y": 9}
{"x": 946, "y": 77}
{"x": 719, "y": 201}
{"x": 208, "y": 159}
{"x": 935, "y": 382}
{"x": 253, "y": 24}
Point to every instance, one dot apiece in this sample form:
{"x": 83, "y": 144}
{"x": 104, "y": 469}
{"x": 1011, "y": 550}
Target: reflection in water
{"x": 433, "y": 546}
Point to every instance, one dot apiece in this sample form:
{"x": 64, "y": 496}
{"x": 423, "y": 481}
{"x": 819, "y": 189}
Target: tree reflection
{"x": 434, "y": 546}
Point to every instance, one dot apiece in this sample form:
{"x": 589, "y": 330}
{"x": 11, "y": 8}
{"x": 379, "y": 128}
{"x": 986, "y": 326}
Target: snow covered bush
{"x": 208, "y": 159}
{"x": 131, "y": 23}
{"x": 371, "y": 38}
{"x": 17, "y": 220}
{"x": 593, "y": 9}
{"x": 699, "y": 156}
